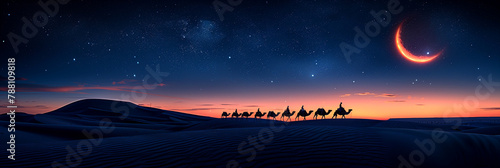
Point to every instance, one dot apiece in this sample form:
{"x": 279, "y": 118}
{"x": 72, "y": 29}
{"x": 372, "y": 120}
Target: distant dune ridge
{"x": 149, "y": 137}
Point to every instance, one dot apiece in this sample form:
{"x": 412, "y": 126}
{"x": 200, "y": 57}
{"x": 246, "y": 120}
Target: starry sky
{"x": 261, "y": 54}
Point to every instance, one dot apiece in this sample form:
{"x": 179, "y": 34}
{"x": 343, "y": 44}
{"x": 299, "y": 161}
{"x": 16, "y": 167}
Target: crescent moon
{"x": 408, "y": 55}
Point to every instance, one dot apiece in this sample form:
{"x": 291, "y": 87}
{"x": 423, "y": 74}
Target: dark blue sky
{"x": 259, "y": 47}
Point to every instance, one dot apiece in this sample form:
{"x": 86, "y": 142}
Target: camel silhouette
{"x": 235, "y": 114}
{"x": 303, "y": 113}
{"x": 341, "y": 111}
{"x": 322, "y": 113}
{"x": 259, "y": 114}
{"x": 287, "y": 114}
{"x": 225, "y": 114}
{"x": 273, "y": 115}
{"x": 246, "y": 114}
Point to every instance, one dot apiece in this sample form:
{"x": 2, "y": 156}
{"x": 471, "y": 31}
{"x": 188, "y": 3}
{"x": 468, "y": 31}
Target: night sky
{"x": 263, "y": 54}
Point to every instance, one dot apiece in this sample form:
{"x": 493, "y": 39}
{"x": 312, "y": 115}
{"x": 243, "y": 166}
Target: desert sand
{"x": 150, "y": 137}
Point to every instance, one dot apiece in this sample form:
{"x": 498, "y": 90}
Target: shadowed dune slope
{"x": 293, "y": 146}
{"x": 150, "y": 137}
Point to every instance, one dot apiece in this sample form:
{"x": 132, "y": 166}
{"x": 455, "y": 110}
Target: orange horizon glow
{"x": 365, "y": 105}
{"x": 362, "y": 109}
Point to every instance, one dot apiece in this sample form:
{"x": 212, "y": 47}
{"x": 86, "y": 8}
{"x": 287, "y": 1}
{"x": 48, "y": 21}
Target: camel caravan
{"x": 286, "y": 115}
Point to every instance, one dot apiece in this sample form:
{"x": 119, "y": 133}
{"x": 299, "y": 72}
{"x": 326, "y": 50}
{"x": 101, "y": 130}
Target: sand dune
{"x": 157, "y": 138}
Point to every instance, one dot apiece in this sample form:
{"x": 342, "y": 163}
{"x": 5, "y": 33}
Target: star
{"x": 134, "y": 75}
{"x": 427, "y": 52}
{"x": 8, "y": 14}
{"x": 312, "y": 75}
{"x": 353, "y": 81}
{"x": 229, "y": 57}
{"x": 74, "y": 59}
{"x": 137, "y": 62}
{"x": 272, "y": 81}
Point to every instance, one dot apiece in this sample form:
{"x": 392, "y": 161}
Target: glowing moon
{"x": 408, "y": 55}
